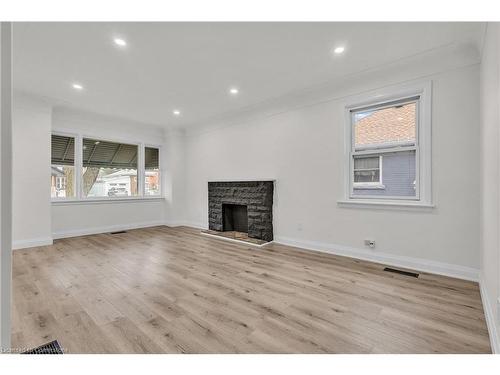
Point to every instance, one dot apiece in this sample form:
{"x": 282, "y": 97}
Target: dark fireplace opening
{"x": 244, "y": 207}
{"x": 235, "y": 218}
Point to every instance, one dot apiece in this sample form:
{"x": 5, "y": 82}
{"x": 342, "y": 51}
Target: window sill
{"x": 65, "y": 202}
{"x": 388, "y": 204}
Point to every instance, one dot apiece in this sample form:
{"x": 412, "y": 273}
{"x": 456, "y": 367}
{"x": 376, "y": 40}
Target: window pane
{"x": 366, "y": 169}
{"x": 152, "y": 171}
{"x": 366, "y": 163}
{"x": 367, "y": 176}
{"x": 398, "y": 176}
{"x": 109, "y": 169}
{"x": 62, "y": 179}
{"x": 387, "y": 127}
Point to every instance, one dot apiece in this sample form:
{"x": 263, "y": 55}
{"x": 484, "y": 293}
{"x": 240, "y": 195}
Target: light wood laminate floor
{"x": 173, "y": 290}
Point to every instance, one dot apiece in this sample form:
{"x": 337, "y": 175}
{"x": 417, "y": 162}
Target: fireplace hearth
{"x": 242, "y": 206}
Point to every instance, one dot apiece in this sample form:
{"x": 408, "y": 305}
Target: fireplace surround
{"x": 227, "y": 200}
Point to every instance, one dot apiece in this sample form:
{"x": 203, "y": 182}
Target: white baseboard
{"x": 174, "y": 224}
{"x": 105, "y": 229}
{"x": 490, "y": 319}
{"x": 418, "y": 264}
{"x": 34, "y": 242}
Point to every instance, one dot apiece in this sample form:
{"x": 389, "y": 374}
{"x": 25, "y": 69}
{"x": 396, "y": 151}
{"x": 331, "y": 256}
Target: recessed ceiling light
{"x": 176, "y": 112}
{"x": 234, "y": 91}
{"x": 77, "y": 86}
{"x": 120, "y": 42}
{"x": 338, "y": 50}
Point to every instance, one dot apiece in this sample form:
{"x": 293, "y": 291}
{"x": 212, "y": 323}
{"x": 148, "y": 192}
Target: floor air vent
{"x": 49, "y": 348}
{"x": 119, "y": 232}
{"x": 406, "y": 273}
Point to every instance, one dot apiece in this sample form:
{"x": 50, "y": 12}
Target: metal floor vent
{"x": 49, "y": 348}
{"x": 406, "y": 273}
{"x": 119, "y": 232}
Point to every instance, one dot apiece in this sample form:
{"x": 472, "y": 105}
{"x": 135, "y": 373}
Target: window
{"x": 62, "y": 179}
{"x": 152, "y": 171}
{"x": 367, "y": 171}
{"x": 388, "y": 129}
{"x": 389, "y": 149}
{"x": 109, "y": 169}
{"x": 91, "y": 168}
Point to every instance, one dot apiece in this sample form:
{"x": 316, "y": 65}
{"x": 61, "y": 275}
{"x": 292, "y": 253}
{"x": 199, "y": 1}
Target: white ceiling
{"x": 190, "y": 66}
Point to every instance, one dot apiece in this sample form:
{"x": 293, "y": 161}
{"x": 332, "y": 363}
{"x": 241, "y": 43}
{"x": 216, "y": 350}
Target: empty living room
{"x": 217, "y": 186}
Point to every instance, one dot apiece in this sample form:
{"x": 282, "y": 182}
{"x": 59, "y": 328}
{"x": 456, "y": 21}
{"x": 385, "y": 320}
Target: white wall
{"x": 72, "y": 120}
{"x": 303, "y": 150}
{"x": 31, "y": 218}
{"x": 5, "y": 182}
{"x": 174, "y": 161}
{"x": 490, "y": 184}
{"x": 77, "y": 219}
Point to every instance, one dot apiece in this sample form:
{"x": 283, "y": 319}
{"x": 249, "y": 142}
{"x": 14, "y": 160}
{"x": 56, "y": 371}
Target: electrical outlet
{"x": 299, "y": 227}
{"x": 370, "y": 243}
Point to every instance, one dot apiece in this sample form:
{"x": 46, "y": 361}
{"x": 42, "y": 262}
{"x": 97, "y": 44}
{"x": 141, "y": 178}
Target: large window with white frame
{"x": 92, "y": 168}
{"x": 389, "y": 149}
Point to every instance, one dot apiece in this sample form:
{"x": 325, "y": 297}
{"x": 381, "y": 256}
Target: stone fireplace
{"x": 242, "y": 206}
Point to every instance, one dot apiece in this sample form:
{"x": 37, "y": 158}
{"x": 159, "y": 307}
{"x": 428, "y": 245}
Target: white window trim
{"x": 422, "y": 147}
{"x": 80, "y": 199}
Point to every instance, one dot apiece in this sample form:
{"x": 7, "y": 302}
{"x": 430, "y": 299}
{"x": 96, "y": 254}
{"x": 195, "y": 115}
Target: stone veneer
{"x": 256, "y": 195}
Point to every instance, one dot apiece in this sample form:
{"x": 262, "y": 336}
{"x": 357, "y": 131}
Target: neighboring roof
{"x": 63, "y": 150}
{"x": 152, "y": 157}
{"x": 389, "y": 125}
{"x": 97, "y": 153}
